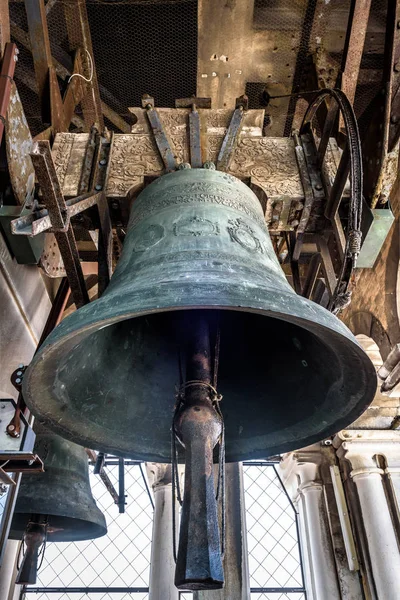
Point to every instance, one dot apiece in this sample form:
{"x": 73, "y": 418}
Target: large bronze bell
{"x": 56, "y": 505}
{"x": 199, "y": 293}
{"x": 290, "y": 372}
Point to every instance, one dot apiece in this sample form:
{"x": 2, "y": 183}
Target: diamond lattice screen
{"x": 122, "y": 558}
{"x": 274, "y": 559}
{"x": 119, "y": 559}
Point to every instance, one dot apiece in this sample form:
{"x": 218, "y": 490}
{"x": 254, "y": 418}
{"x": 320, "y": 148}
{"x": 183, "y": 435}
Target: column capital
{"x": 300, "y": 470}
{"x": 159, "y": 474}
{"x": 361, "y": 448}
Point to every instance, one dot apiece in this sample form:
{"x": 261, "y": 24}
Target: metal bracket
{"x": 195, "y": 141}
{"x": 60, "y": 220}
{"x": 160, "y": 135}
{"x": 231, "y": 138}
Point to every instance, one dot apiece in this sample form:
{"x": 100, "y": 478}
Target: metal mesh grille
{"x": 139, "y": 46}
{"x": 296, "y": 31}
{"x": 119, "y": 559}
{"x": 274, "y": 558}
{"x": 306, "y": 31}
{"x": 122, "y": 558}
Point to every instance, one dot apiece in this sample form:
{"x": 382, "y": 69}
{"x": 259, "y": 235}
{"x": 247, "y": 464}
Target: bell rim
{"x": 340, "y": 332}
{"x": 90, "y": 530}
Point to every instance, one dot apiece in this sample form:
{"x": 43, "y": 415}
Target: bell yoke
{"x": 197, "y": 268}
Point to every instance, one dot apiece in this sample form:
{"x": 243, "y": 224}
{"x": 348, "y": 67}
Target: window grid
{"x": 117, "y": 566}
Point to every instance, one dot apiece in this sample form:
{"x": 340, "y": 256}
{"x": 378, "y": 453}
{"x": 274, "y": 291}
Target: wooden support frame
{"x": 76, "y": 19}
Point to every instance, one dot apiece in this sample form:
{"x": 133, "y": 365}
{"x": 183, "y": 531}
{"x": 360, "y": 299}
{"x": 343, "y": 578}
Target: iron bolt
{"x": 18, "y": 380}
{"x": 16, "y": 51}
{"x": 15, "y": 57}
{"x": 98, "y": 187}
{"x": 103, "y": 162}
{"x": 318, "y": 187}
{"x": 19, "y": 373}
{"x": 294, "y": 223}
{"x": 21, "y": 366}
{"x": 183, "y": 166}
{"x": 209, "y": 165}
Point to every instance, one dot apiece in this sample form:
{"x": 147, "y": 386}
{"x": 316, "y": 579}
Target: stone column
{"x": 8, "y": 571}
{"x": 162, "y": 564}
{"x": 236, "y": 570}
{"x": 301, "y": 476}
{"x": 374, "y": 457}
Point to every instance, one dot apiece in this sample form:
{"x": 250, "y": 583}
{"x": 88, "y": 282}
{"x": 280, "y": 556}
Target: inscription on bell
{"x": 195, "y": 226}
{"x": 244, "y": 235}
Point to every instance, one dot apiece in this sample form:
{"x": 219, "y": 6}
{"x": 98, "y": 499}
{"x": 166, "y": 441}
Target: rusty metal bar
{"x": 104, "y": 477}
{"x": 194, "y": 135}
{"x": 98, "y": 183}
{"x": 312, "y": 274}
{"x": 160, "y": 135}
{"x": 342, "y": 173}
{"x": 294, "y": 265}
{"x": 327, "y": 131}
{"x": 35, "y": 223}
{"x": 308, "y": 197}
{"x": 354, "y": 46}
{"x": 76, "y": 19}
{"x": 230, "y": 139}
{"x": 6, "y": 78}
{"x": 327, "y": 265}
{"x": 54, "y": 200}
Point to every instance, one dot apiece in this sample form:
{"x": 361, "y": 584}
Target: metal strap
{"x": 161, "y": 139}
{"x": 195, "y": 144}
{"x": 230, "y": 140}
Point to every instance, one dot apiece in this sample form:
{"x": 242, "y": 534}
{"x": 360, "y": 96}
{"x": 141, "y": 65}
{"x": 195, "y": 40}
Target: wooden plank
{"x": 225, "y": 31}
{"x": 41, "y": 51}
{"x": 4, "y": 25}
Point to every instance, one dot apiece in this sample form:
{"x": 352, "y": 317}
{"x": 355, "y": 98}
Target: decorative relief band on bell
{"x": 195, "y": 226}
{"x": 195, "y": 193}
{"x": 244, "y": 235}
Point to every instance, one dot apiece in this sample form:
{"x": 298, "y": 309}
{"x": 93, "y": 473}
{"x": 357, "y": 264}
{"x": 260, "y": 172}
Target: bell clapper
{"x": 199, "y": 426}
{"x": 34, "y": 539}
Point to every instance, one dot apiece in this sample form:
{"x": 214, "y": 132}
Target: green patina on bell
{"x": 62, "y": 493}
{"x": 57, "y": 505}
{"x": 290, "y": 372}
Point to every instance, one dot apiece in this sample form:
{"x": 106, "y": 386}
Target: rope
{"x": 194, "y": 383}
{"x": 91, "y": 70}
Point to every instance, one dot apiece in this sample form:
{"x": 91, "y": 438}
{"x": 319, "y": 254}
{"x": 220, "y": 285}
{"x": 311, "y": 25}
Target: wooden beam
{"x": 41, "y": 52}
{"x": 225, "y": 33}
{"x": 354, "y": 46}
{"x": 4, "y": 25}
{"x": 79, "y": 37}
{"x": 63, "y": 72}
